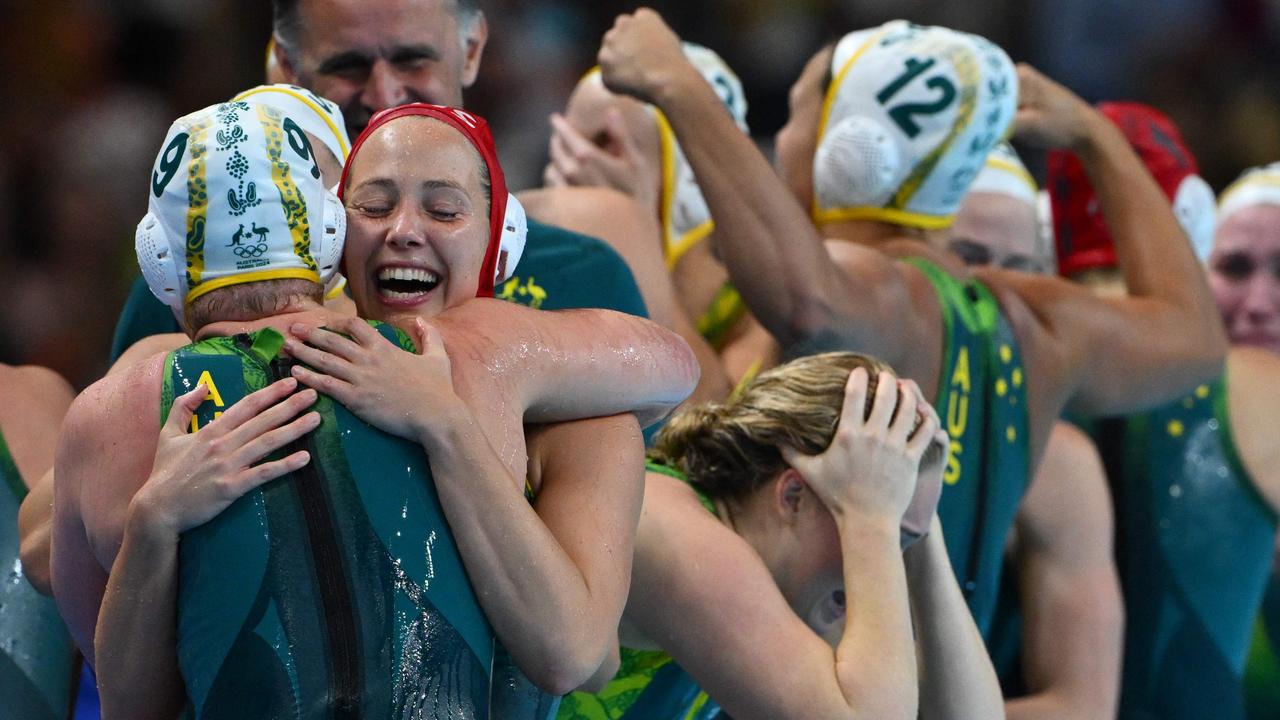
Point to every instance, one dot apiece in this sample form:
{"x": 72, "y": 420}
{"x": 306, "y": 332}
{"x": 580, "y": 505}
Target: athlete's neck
{"x": 897, "y": 241}
{"x": 752, "y": 520}
{"x": 301, "y": 311}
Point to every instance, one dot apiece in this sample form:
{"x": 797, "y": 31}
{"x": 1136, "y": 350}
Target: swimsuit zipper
{"x": 335, "y": 594}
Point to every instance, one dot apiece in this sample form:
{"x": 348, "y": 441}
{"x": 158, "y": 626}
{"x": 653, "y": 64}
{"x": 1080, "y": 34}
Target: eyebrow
{"x": 389, "y": 184}
{"x": 397, "y": 53}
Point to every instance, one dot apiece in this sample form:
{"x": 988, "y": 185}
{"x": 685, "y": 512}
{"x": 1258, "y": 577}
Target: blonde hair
{"x": 728, "y": 450}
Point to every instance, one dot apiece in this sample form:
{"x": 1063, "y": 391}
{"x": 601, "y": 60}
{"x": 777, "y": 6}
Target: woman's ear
{"x": 789, "y": 489}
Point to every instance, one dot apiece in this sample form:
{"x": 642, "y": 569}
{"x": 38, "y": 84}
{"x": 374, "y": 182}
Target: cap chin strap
{"x": 515, "y": 231}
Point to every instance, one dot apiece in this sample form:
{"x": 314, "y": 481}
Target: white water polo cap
{"x": 314, "y": 114}
{"x": 907, "y": 123}
{"x": 236, "y": 196}
{"x": 1255, "y": 186}
{"x": 682, "y": 210}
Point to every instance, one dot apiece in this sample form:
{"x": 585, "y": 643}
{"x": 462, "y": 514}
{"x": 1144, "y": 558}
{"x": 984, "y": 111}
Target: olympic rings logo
{"x": 250, "y": 251}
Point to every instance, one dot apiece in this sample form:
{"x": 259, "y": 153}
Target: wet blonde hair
{"x": 728, "y": 450}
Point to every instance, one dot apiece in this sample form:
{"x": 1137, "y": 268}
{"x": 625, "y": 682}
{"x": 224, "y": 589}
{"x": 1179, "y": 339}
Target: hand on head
{"x": 577, "y": 161}
{"x": 870, "y": 469}
{"x": 640, "y": 55}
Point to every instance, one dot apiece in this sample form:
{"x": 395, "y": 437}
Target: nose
{"x": 406, "y": 229}
{"x": 383, "y": 88}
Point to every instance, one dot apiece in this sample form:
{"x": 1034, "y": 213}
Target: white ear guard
{"x": 1196, "y": 207}
{"x": 515, "y": 231}
{"x": 327, "y": 250}
{"x": 159, "y": 264}
{"x": 857, "y": 164}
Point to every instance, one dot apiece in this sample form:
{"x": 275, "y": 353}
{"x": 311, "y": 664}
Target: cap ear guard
{"x": 857, "y": 164}
{"x": 327, "y": 249}
{"x": 1196, "y": 208}
{"x": 159, "y": 263}
{"x": 515, "y": 231}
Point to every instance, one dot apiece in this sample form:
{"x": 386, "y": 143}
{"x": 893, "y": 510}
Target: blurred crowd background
{"x": 90, "y": 86}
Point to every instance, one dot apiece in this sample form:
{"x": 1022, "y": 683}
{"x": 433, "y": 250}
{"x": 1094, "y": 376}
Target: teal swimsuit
{"x": 36, "y": 654}
{"x": 336, "y": 591}
{"x": 1194, "y": 547}
{"x": 982, "y": 401}
{"x": 649, "y": 685}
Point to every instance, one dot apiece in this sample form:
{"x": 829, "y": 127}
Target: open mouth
{"x": 406, "y": 284}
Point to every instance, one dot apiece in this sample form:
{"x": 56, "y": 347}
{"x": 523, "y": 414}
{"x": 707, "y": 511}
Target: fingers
{"x": 428, "y": 337}
{"x": 183, "y": 408}
{"x": 257, "y": 475}
{"x": 925, "y": 435}
{"x": 335, "y": 388}
{"x": 904, "y": 417}
{"x": 885, "y": 400}
{"x": 552, "y": 177}
{"x": 272, "y": 417}
{"x": 326, "y": 339}
{"x": 855, "y": 398}
{"x": 320, "y": 360}
{"x": 268, "y": 442}
{"x": 250, "y": 407}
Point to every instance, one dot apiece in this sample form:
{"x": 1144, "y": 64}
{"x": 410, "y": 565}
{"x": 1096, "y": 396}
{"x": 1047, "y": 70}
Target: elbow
{"x": 562, "y": 672}
{"x": 34, "y": 555}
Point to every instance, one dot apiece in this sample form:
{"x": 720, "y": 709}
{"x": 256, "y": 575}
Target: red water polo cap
{"x": 1080, "y": 232}
{"x": 476, "y": 131}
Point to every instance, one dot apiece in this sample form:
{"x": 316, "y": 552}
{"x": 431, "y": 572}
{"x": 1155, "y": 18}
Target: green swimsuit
{"x": 36, "y": 654}
{"x": 982, "y": 401}
{"x": 1194, "y": 546}
{"x": 649, "y": 685}
{"x": 336, "y": 591}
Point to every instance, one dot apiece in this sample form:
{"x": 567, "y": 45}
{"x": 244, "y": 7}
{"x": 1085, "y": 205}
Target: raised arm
{"x": 1073, "y": 616}
{"x": 1128, "y": 353}
{"x": 774, "y": 254}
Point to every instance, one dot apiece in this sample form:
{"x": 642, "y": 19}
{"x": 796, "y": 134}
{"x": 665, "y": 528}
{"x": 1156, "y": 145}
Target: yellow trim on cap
{"x": 687, "y": 243}
{"x": 667, "y": 147}
{"x": 890, "y": 215}
{"x": 295, "y": 206}
{"x": 1016, "y": 170}
{"x": 336, "y": 290}
{"x": 1261, "y": 178}
{"x": 587, "y": 75}
{"x": 197, "y": 201}
{"x": 333, "y": 128}
{"x": 256, "y": 276}
{"x": 829, "y": 100}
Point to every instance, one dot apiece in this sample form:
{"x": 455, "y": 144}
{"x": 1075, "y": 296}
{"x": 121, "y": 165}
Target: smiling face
{"x": 369, "y": 56}
{"x": 797, "y": 141}
{"x": 1244, "y": 274}
{"x": 417, "y": 220}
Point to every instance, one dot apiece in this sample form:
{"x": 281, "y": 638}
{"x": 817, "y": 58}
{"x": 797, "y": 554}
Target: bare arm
{"x": 1253, "y": 387}
{"x": 552, "y": 577}
{"x": 1122, "y": 354}
{"x": 702, "y": 593}
{"x": 1070, "y": 594}
{"x": 956, "y": 676}
{"x": 35, "y": 534}
{"x": 552, "y": 596}
{"x": 571, "y": 364}
{"x": 774, "y": 254}
{"x": 632, "y": 231}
